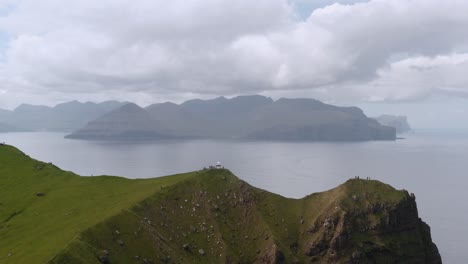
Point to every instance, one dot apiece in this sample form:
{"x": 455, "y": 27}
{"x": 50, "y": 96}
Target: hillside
{"x": 127, "y": 122}
{"x": 247, "y": 117}
{"x": 308, "y": 119}
{"x": 35, "y": 228}
{"x": 208, "y": 216}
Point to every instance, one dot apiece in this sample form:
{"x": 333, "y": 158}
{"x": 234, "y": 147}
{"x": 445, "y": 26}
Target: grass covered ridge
{"x": 207, "y": 216}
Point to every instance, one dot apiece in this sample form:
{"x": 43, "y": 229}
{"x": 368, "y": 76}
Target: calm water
{"x": 434, "y": 167}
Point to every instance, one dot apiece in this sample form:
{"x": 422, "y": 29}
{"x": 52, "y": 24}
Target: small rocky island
{"x": 400, "y": 123}
{"x": 206, "y": 216}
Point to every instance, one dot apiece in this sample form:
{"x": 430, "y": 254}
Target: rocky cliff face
{"x": 369, "y": 229}
{"x": 214, "y": 217}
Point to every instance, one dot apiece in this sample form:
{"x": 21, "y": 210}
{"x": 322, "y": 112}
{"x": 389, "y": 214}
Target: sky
{"x": 407, "y": 57}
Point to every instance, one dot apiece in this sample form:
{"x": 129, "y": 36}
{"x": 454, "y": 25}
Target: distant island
{"x": 208, "y": 216}
{"x": 244, "y": 117}
{"x": 6, "y": 128}
{"x": 66, "y": 117}
{"x": 400, "y": 123}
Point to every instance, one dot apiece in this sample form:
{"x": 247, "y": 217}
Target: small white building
{"x": 219, "y": 166}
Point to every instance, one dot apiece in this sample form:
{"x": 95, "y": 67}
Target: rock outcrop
{"x": 400, "y": 123}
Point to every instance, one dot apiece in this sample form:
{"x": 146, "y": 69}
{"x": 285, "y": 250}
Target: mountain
{"x": 128, "y": 121}
{"x": 64, "y": 117}
{"x": 400, "y": 123}
{"x": 209, "y": 216}
{"x": 225, "y": 118}
{"x": 181, "y": 122}
{"x": 220, "y": 109}
{"x": 259, "y": 117}
{"x": 308, "y": 119}
{"x": 5, "y": 128}
{"x": 4, "y": 114}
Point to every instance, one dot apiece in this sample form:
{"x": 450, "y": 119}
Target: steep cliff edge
{"x": 213, "y": 217}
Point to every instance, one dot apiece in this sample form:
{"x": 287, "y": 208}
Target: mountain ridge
{"x": 257, "y": 117}
{"x": 127, "y": 121}
{"x": 64, "y": 117}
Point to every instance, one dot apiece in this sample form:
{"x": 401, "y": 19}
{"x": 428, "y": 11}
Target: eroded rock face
{"x": 378, "y": 232}
{"x": 361, "y": 221}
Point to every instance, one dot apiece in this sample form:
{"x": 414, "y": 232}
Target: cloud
{"x": 419, "y": 77}
{"x": 376, "y": 50}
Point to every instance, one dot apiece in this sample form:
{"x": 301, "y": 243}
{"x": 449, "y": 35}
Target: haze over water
{"x": 433, "y": 166}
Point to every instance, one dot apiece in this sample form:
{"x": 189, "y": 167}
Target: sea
{"x": 432, "y": 165}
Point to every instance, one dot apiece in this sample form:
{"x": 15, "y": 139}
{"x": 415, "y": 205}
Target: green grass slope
{"x": 208, "y": 216}
{"x": 33, "y": 229}
{"x": 213, "y": 217}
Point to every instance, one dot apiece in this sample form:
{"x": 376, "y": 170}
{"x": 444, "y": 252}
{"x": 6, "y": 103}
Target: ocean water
{"x": 434, "y": 166}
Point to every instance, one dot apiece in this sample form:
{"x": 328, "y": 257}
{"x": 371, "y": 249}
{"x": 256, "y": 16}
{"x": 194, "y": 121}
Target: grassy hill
{"x": 35, "y": 228}
{"x": 208, "y": 216}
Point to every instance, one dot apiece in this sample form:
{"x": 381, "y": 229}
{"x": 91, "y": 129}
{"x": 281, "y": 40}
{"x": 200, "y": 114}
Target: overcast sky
{"x": 397, "y": 56}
